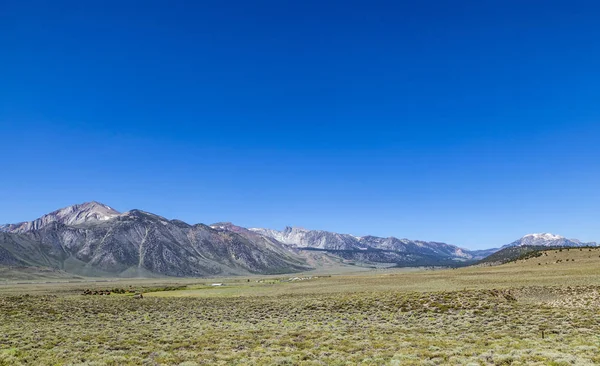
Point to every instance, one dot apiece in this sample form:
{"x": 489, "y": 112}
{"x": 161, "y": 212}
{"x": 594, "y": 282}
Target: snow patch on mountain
{"x": 548, "y": 240}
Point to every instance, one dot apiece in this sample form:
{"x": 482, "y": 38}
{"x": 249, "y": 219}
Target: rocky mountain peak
{"x": 294, "y": 229}
{"x": 86, "y": 211}
{"x": 543, "y": 236}
{"x": 547, "y": 240}
{"x": 222, "y": 225}
{"x": 70, "y": 215}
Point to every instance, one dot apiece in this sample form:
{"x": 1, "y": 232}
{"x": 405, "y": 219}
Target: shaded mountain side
{"x": 399, "y": 259}
{"x": 417, "y": 247}
{"x": 29, "y": 273}
{"x": 8, "y": 259}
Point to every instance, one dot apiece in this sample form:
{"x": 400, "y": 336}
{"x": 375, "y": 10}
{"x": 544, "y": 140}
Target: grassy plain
{"x": 539, "y": 311}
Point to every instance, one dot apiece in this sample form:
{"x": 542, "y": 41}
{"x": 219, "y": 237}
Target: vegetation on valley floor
{"x": 536, "y": 311}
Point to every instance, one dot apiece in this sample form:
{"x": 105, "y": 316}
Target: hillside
{"x": 138, "y": 243}
{"x": 93, "y": 239}
{"x": 558, "y": 258}
{"x": 403, "y": 252}
{"x": 548, "y": 240}
{"x": 509, "y": 254}
{"x": 539, "y": 255}
{"x": 28, "y": 273}
{"x": 531, "y": 243}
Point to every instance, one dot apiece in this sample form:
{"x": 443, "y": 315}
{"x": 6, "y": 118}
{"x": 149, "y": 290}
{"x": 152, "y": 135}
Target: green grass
{"x": 469, "y": 316}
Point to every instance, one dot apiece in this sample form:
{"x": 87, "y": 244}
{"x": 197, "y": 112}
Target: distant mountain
{"x": 93, "y": 239}
{"x": 316, "y": 239}
{"x": 373, "y": 248}
{"x": 548, "y": 240}
{"x": 531, "y": 243}
{"x": 483, "y": 253}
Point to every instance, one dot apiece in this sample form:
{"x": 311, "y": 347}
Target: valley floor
{"x": 533, "y": 312}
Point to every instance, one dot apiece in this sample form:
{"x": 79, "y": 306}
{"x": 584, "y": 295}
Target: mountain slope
{"x": 548, "y": 240}
{"x": 509, "y": 254}
{"x": 317, "y": 239}
{"x": 88, "y": 239}
{"x": 371, "y": 248}
{"x": 531, "y": 243}
{"x": 72, "y": 215}
{"x": 93, "y": 239}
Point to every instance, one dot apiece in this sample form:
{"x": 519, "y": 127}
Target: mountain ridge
{"x": 331, "y": 241}
{"x": 548, "y": 240}
{"x": 90, "y": 239}
{"x": 93, "y": 238}
{"x": 71, "y": 215}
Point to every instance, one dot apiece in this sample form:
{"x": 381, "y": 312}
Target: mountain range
{"x": 372, "y": 248}
{"x": 93, "y": 239}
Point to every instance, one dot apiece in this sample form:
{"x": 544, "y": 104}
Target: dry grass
{"x": 521, "y": 313}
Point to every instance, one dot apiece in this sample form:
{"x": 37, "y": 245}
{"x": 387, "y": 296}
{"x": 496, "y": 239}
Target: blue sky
{"x": 471, "y": 122}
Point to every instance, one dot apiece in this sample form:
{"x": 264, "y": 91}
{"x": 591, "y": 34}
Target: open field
{"x": 540, "y": 311}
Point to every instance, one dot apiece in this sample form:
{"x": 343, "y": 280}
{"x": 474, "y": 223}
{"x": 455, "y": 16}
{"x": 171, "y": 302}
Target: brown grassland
{"x": 538, "y": 311}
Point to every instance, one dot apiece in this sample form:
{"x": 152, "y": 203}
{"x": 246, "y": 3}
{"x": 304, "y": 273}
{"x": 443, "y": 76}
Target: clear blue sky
{"x": 469, "y": 122}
